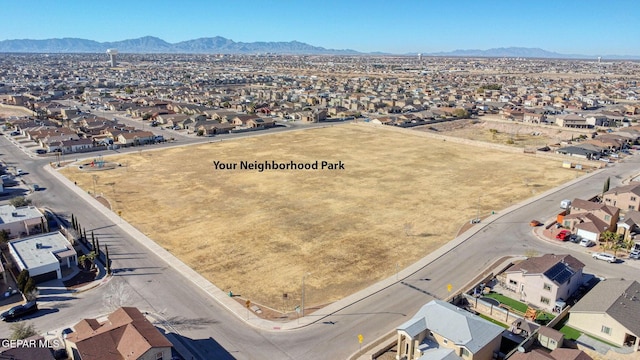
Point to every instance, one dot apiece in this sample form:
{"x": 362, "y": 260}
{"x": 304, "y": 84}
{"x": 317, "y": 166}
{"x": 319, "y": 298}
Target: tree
{"x": 20, "y": 201}
{"x": 22, "y": 279}
{"x": 605, "y": 188}
{"x": 628, "y": 244}
{"x": 32, "y": 295}
{"x": 609, "y": 238}
{"x": 22, "y": 330}
{"x": 30, "y": 286}
{"x": 90, "y": 258}
{"x": 461, "y": 113}
{"x": 4, "y": 236}
{"x": 108, "y": 262}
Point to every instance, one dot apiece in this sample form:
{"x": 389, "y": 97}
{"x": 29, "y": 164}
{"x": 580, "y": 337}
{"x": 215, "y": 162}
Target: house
{"x": 542, "y": 281}
{"x": 611, "y": 312}
{"x": 136, "y": 138}
{"x": 579, "y": 152}
{"x": 557, "y": 354}
{"x": 625, "y": 197}
{"x": 590, "y": 219}
{"x": 210, "y": 128}
{"x": 440, "y": 330}
{"x": 628, "y": 226}
{"x": 572, "y": 121}
{"x": 24, "y": 220}
{"x": 43, "y": 255}
{"x": 76, "y": 145}
{"x": 533, "y": 118}
{"x": 125, "y": 334}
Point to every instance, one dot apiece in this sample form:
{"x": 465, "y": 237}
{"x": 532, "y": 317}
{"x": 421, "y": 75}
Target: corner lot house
{"x": 440, "y": 330}
{"x": 43, "y": 255}
{"x": 611, "y": 312}
{"x": 125, "y": 334}
{"x": 541, "y": 281}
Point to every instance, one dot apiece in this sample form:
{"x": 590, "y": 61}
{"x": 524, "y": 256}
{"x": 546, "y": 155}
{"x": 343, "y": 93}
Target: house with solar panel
{"x": 443, "y": 331}
{"x": 544, "y": 282}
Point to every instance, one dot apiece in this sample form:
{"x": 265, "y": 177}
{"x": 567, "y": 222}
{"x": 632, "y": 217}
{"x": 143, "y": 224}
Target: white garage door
{"x": 587, "y": 235}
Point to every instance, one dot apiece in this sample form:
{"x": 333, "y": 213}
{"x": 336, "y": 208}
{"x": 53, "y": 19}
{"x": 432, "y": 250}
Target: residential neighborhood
{"x": 547, "y": 305}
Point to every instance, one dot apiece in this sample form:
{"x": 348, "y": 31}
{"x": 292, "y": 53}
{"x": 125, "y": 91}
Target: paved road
{"x": 210, "y": 331}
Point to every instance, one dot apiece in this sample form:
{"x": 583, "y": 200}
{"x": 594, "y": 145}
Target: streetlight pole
{"x": 302, "y": 301}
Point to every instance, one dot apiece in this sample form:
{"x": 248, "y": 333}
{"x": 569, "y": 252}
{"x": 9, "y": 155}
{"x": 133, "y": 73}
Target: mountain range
{"x": 150, "y": 44}
{"x": 221, "y": 45}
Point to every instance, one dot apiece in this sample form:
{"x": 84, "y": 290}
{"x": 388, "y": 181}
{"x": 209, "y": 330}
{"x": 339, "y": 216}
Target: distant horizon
{"x": 587, "y": 27}
{"x": 381, "y": 53}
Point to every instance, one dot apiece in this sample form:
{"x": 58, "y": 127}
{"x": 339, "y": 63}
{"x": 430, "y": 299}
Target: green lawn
{"x": 514, "y": 304}
{"x": 570, "y": 333}
{"x": 493, "y": 321}
{"x": 544, "y": 317}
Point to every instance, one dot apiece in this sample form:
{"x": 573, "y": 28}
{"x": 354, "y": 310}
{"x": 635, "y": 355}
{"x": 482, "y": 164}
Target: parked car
{"x": 565, "y": 204}
{"x": 563, "y": 235}
{"x": 575, "y": 238}
{"x": 635, "y": 254}
{"x": 19, "y": 311}
{"x": 41, "y": 151}
{"x": 587, "y": 242}
{"x": 604, "y": 256}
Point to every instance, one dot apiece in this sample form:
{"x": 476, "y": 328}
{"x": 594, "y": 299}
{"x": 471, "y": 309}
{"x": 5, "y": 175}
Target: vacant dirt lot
{"x": 398, "y": 198}
{"x": 511, "y": 134}
{"x": 6, "y": 112}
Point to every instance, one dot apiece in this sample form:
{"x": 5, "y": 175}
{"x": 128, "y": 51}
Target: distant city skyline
{"x": 585, "y": 27}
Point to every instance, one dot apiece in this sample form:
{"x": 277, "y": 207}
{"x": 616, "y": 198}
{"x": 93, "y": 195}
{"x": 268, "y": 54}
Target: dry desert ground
{"x": 6, "y": 112}
{"x": 398, "y": 198}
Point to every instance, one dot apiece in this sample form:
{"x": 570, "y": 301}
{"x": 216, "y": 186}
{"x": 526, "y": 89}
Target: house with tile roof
{"x": 542, "y": 281}
{"x": 125, "y": 334}
{"x": 611, "y": 312}
{"x": 440, "y": 330}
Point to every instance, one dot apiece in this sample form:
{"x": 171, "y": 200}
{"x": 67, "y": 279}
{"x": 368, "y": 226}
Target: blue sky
{"x": 566, "y": 26}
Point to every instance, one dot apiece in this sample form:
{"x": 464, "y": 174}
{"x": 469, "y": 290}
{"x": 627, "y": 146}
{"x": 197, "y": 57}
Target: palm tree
{"x": 609, "y": 238}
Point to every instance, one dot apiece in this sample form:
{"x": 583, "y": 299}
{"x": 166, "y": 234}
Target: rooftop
{"x": 41, "y": 249}
{"x": 10, "y": 214}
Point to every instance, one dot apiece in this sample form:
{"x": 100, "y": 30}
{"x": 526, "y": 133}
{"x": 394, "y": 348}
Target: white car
{"x": 587, "y": 243}
{"x": 635, "y": 254}
{"x": 604, "y": 256}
